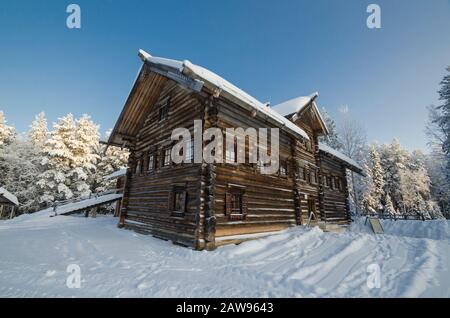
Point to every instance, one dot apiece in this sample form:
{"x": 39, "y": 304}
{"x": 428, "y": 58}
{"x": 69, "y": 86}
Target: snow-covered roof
{"x": 200, "y": 73}
{"x": 116, "y": 174}
{"x": 87, "y": 203}
{"x": 327, "y": 149}
{"x": 294, "y": 105}
{"x": 8, "y": 196}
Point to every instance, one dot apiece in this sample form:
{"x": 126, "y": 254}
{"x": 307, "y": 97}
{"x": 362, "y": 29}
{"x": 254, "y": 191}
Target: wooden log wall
{"x": 147, "y": 193}
{"x": 269, "y": 198}
{"x": 335, "y": 200}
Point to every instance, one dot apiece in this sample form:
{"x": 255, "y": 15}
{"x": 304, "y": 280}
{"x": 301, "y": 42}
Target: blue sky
{"x": 275, "y": 50}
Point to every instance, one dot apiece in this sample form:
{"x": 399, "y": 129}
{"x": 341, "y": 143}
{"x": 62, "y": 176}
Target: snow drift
{"x": 36, "y": 251}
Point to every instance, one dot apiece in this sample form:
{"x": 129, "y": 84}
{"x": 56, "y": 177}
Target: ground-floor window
{"x": 178, "y": 201}
{"x": 236, "y": 203}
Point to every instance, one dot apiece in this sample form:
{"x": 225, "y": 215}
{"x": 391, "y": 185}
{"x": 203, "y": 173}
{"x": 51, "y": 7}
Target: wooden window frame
{"x": 151, "y": 162}
{"x": 139, "y": 166}
{"x": 284, "y": 169}
{"x": 232, "y": 215}
{"x": 163, "y": 112}
{"x": 189, "y": 151}
{"x": 166, "y": 151}
{"x": 175, "y": 191}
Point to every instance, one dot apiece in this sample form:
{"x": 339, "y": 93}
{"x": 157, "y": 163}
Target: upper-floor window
{"x": 313, "y": 176}
{"x": 167, "y": 158}
{"x": 189, "y": 151}
{"x": 333, "y": 183}
{"x": 138, "y": 166}
{"x": 283, "y": 168}
{"x": 151, "y": 162}
{"x": 164, "y": 110}
{"x": 230, "y": 155}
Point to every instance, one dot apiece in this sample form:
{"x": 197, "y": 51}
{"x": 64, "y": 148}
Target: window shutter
{"x": 228, "y": 203}
{"x": 244, "y": 205}
{"x": 171, "y": 199}
{"x": 184, "y": 200}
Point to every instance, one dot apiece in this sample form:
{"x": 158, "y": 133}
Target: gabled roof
{"x": 195, "y": 77}
{"x": 7, "y": 197}
{"x": 294, "y": 108}
{"x": 349, "y": 162}
{"x": 294, "y": 105}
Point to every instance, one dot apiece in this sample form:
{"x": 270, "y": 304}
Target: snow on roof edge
{"x": 325, "y": 148}
{"x": 189, "y": 69}
{"x": 9, "y": 196}
{"x": 116, "y": 174}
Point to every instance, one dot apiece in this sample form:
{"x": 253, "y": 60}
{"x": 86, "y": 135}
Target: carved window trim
{"x": 233, "y": 192}
{"x": 178, "y": 196}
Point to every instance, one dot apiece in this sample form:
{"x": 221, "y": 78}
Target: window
{"x": 283, "y": 168}
{"x": 151, "y": 162}
{"x": 333, "y": 183}
{"x": 164, "y": 111}
{"x": 138, "y": 166}
{"x": 230, "y": 155}
{"x": 236, "y": 203}
{"x": 167, "y": 156}
{"x": 301, "y": 172}
{"x": 189, "y": 151}
{"x": 313, "y": 176}
{"x": 338, "y": 183}
{"x": 328, "y": 181}
{"x": 178, "y": 200}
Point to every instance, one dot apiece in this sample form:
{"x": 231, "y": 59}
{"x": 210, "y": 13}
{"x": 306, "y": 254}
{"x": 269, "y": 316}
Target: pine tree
{"x": 389, "y": 207}
{"x": 70, "y": 159}
{"x": 373, "y": 182}
{"x": 7, "y": 133}
{"x": 393, "y": 161}
{"x": 38, "y": 133}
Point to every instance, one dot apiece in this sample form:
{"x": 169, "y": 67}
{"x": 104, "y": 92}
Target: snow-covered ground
{"x": 35, "y": 251}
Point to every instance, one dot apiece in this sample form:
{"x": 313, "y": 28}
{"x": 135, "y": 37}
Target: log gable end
{"x": 204, "y": 205}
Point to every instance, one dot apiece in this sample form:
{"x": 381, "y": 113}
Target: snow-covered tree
{"x": 393, "y": 161}
{"x": 6, "y": 132}
{"x": 70, "y": 159}
{"x": 111, "y": 159}
{"x": 389, "y": 207}
{"x": 373, "y": 192}
{"x": 20, "y": 167}
{"x": 377, "y": 173}
{"x": 443, "y": 119}
{"x": 352, "y": 138}
{"x": 332, "y": 139}
{"x": 38, "y": 132}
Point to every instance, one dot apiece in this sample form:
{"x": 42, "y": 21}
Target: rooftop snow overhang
{"x": 195, "y": 78}
{"x": 293, "y": 109}
{"x": 345, "y": 160}
{"x": 7, "y": 197}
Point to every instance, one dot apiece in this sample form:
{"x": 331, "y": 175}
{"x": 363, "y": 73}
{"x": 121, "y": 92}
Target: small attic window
{"x": 164, "y": 110}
